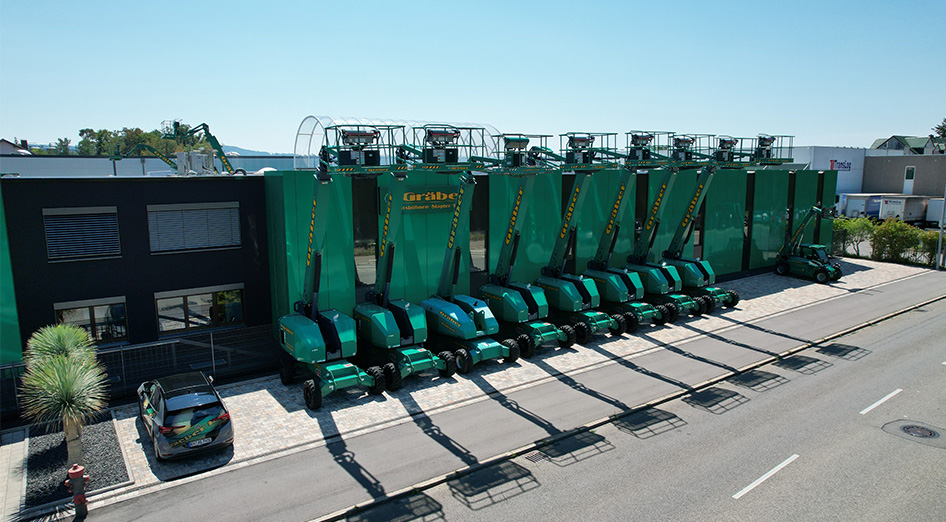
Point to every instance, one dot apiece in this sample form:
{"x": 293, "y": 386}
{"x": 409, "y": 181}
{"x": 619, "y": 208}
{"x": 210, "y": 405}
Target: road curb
{"x": 509, "y": 455}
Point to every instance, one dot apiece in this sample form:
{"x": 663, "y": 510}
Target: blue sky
{"x": 828, "y": 72}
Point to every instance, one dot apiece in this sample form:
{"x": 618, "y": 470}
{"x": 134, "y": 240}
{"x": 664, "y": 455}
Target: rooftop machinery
{"x": 457, "y": 322}
{"x": 520, "y": 307}
{"x": 574, "y": 299}
{"x": 174, "y": 130}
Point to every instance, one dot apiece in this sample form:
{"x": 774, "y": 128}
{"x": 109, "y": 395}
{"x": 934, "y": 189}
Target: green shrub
{"x": 927, "y": 251}
{"x": 894, "y": 241}
{"x": 850, "y": 233}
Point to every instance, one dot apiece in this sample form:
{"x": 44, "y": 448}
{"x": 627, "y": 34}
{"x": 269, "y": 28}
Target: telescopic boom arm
{"x": 450, "y": 272}
{"x": 308, "y": 305}
{"x": 682, "y": 234}
{"x": 510, "y": 244}
{"x": 609, "y": 237}
{"x": 792, "y": 242}
{"x": 649, "y": 233}
{"x": 556, "y": 263}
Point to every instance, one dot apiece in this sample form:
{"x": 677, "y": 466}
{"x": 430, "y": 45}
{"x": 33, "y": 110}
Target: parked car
{"x": 184, "y": 415}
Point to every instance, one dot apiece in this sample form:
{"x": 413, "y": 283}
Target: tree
{"x": 63, "y": 382}
{"x": 940, "y": 130}
{"x": 62, "y": 146}
{"x": 86, "y": 146}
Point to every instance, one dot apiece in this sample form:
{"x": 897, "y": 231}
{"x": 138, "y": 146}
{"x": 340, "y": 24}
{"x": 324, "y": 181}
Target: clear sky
{"x": 828, "y": 72}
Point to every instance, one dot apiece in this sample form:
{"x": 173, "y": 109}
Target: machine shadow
{"x": 715, "y": 400}
{"x": 345, "y": 458}
{"x": 512, "y": 405}
{"x": 426, "y": 424}
{"x": 639, "y": 369}
{"x": 803, "y": 364}
{"x": 758, "y": 380}
{"x": 415, "y": 507}
{"x": 579, "y": 387}
{"x": 492, "y": 485}
{"x": 690, "y": 355}
{"x": 576, "y": 448}
{"x": 649, "y": 423}
{"x": 844, "y": 351}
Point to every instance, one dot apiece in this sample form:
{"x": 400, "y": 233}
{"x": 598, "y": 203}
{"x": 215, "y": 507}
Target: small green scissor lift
{"x": 459, "y": 322}
{"x": 621, "y": 289}
{"x": 662, "y": 283}
{"x": 805, "y": 259}
{"x": 321, "y": 341}
{"x": 390, "y": 331}
{"x": 574, "y": 299}
{"x": 520, "y": 307}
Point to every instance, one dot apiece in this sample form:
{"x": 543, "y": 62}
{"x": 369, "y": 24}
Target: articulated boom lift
{"x": 117, "y": 156}
{"x": 520, "y": 307}
{"x": 574, "y": 299}
{"x": 174, "y": 130}
{"x": 457, "y": 322}
{"x": 805, "y": 259}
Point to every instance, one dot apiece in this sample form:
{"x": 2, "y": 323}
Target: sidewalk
{"x": 270, "y": 419}
{"x": 13, "y": 471}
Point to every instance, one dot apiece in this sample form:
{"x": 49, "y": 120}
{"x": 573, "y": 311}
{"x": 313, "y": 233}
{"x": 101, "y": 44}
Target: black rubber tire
{"x": 240, "y": 172}
{"x": 450, "y": 361}
{"x": 838, "y": 272}
{"x": 570, "y": 336}
{"x": 526, "y": 345}
{"x": 464, "y": 360}
{"x": 513, "y": 350}
{"x": 781, "y": 268}
{"x": 662, "y": 315}
{"x": 380, "y": 382}
{"x": 582, "y": 333}
{"x": 621, "y": 325}
{"x": 311, "y": 394}
{"x": 673, "y": 311}
{"x": 710, "y": 305}
{"x": 821, "y": 276}
{"x": 733, "y": 299}
{"x": 630, "y": 318}
{"x": 393, "y": 377}
{"x": 700, "y": 306}
{"x": 287, "y": 369}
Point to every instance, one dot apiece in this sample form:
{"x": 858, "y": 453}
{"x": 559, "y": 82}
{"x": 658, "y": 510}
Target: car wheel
{"x": 733, "y": 299}
{"x": 451, "y": 364}
{"x": 620, "y": 325}
{"x": 700, "y": 306}
{"x": 710, "y": 305}
{"x": 822, "y": 277}
{"x": 630, "y": 318}
{"x": 582, "y": 332}
{"x": 393, "y": 376}
{"x": 311, "y": 394}
{"x": 781, "y": 268}
{"x": 513, "y": 351}
{"x": 526, "y": 345}
{"x": 662, "y": 315}
{"x": 464, "y": 360}
{"x": 380, "y": 382}
{"x": 673, "y": 311}
{"x": 570, "y": 336}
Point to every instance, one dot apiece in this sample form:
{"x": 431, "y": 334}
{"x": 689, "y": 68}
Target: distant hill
{"x": 247, "y": 152}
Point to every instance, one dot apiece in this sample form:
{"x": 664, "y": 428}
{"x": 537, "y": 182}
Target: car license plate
{"x": 201, "y": 442}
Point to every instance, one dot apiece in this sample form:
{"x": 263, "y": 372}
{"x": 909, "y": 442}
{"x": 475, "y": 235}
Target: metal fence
{"x": 222, "y": 353}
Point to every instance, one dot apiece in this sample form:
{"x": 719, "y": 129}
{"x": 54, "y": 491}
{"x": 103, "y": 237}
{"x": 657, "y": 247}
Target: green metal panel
{"x": 289, "y": 209}
{"x": 806, "y": 196}
{"x": 723, "y": 224}
{"x": 595, "y": 213}
{"x": 422, "y": 241}
{"x": 540, "y": 226}
{"x": 770, "y": 202}
{"x": 673, "y": 210}
{"x": 11, "y": 345}
{"x": 829, "y": 190}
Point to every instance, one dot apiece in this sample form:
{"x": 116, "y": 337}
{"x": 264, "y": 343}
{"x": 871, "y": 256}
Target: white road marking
{"x": 765, "y": 477}
{"x": 944, "y": 362}
{"x": 881, "y": 401}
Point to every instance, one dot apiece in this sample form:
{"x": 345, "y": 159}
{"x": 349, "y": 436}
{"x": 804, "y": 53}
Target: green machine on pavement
{"x": 804, "y": 259}
{"x": 457, "y": 322}
{"x": 520, "y": 307}
{"x": 390, "y": 331}
{"x": 574, "y": 299}
{"x": 622, "y": 290}
{"x": 321, "y": 341}
{"x": 662, "y": 282}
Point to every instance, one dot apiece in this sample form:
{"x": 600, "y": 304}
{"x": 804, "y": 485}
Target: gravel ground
{"x": 46, "y": 462}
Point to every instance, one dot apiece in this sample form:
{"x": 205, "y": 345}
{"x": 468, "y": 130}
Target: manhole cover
{"x": 919, "y": 431}
{"x": 537, "y": 456}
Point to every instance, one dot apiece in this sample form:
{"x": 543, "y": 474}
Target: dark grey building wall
{"x": 885, "y": 174}
{"x": 137, "y": 274}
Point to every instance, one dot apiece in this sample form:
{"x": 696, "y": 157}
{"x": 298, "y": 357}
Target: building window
{"x": 909, "y": 173}
{"x": 199, "y": 308}
{"x": 81, "y": 233}
{"x": 174, "y": 228}
{"x": 104, "y": 319}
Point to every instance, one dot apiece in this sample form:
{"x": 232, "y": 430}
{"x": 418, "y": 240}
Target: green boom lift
{"x": 390, "y": 331}
{"x": 662, "y": 283}
{"x": 173, "y": 130}
{"x": 322, "y": 341}
{"x": 457, "y": 321}
{"x": 574, "y": 299}
{"x": 621, "y": 289}
{"x": 117, "y": 156}
{"x": 805, "y": 259}
{"x": 520, "y": 307}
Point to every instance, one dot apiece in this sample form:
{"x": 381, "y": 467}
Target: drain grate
{"x": 537, "y": 456}
{"x": 919, "y": 431}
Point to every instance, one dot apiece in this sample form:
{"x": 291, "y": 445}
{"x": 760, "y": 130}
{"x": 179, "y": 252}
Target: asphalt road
{"x": 650, "y": 478}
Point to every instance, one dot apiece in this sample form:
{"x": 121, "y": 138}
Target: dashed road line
{"x": 866, "y": 410}
{"x": 765, "y": 477}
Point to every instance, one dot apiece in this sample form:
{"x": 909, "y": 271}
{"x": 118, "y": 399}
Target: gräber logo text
{"x": 841, "y": 165}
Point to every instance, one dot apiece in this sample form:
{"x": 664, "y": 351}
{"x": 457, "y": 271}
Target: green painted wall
{"x": 594, "y": 217}
{"x": 768, "y": 217}
{"x": 11, "y": 345}
{"x": 289, "y": 209}
{"x": 542, "y": 220}
{"x": 827, "y": 198}
{"x": 723, "y": 225}
{"x": 806, "y": 196}
{"x": 675, "y": 206}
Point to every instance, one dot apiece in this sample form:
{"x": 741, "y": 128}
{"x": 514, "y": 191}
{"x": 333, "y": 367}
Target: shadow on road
{"x": 576, "y": 448}
{"x": 512, "y": 405}
{"x": 843, "y": 351}
{"x": 577, "y": 386}
{"x": 720, "y": 338}
{"x": 715, "y": 400}
{"x": 433, "y": 431}
{"x": 689, "y": 355}
{"x": 637, "y": 368}
{"x": 803, "y": 364}
{"x": 346, "y": 459}
{"x": 415, "y": 507}
{"x": 649, "y": 423}
{"x": 492, "y": 485}
{"x": 757, "y": 380}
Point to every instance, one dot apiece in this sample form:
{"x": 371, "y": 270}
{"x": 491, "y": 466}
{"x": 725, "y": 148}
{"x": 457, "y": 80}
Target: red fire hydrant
{"x": 76, "y": 485}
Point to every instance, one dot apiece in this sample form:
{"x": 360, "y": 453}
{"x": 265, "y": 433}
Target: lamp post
{"x": 939, "y": 243}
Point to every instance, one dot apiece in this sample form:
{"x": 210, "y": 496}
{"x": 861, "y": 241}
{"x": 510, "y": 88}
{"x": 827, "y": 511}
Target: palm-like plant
{"x": 63, "y": 382}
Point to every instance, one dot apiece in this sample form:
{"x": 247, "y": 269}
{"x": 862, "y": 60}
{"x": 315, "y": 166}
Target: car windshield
{"x": 191, "y": 416}
{"x": 821, "y": 255}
